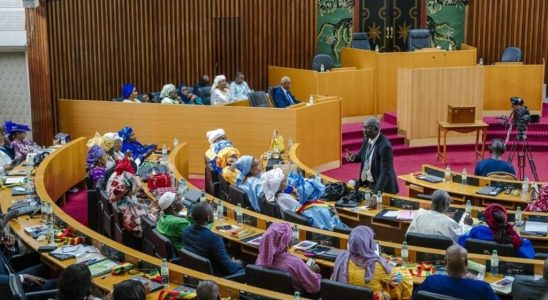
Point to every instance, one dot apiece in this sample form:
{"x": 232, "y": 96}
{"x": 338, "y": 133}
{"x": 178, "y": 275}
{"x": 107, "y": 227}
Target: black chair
{"x": 430, "y": 240}
{"x": 259, "y": 99}
{"x": 332, "y": 290}
{"x": 147, "y": 225}
{"x": 343, "y": 230}
{"x": 511, "y": 54}
{"x": 293, "y": 217}
{"x": 484, "y": 247}
{"x": 272, "y": 280}
{"x": 424, "y": 295}
{"x": 271, "y": 209}
{"x": 238, "y": 196}
{"x": 18, "y": 292}
{"x": 106, "y": 214}
{"x": 205, "y": 94}
{"x": 322, "y": 59}
{"x": 94, "y": 214}
{"x": 542, "y": 256}
{"x": 419, "y": 39}
{"x": 212, "y": 184}
{"x": 360, "y": 40}
{"x": 163, "y": 248}
{"x": 155, "y": 97}
{"x": 201, "y": 264}
{"x": 120, "y": 234}
{"x": 224, "y": 187}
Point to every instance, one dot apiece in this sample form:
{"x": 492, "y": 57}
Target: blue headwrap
{"x": 125, "y": 132}
{"x": 14, "y": 127}
{"x": 220, "y": 145}
{"x": 127, "y": 89}
{"x": 307, "y": 188}
{"x": 244, "y": 164}
{"x": 94, "y": 153}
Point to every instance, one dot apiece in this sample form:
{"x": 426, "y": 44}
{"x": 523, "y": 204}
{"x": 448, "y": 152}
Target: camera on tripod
{"x": 521, "y": 116}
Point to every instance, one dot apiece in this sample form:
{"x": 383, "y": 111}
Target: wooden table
{"x": 478, "y": 126}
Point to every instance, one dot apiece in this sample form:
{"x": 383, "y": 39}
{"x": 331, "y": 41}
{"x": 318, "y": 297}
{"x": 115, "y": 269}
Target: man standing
{"x": 377, "y": 166}
{"x": 282, "y": 96}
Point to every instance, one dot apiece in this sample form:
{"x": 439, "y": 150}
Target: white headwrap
{"x": 271, "y": 182}
{"x": 217, "y": 80}
{"x": 113, "y": 136}
{"x": 213, "y": 135}
{"x": 166, "y": 90}
{"x": 166, "y": 200}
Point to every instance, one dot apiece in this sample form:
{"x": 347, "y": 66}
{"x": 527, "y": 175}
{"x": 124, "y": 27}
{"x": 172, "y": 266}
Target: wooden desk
{"x": 478, "y": 127}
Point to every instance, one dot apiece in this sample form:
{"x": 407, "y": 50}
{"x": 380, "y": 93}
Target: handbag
{"x": 277, "y": 143}
{"x": 334, "y": 191}
{"x": 161, "y": 180}
{"x": 147, "y": 168}
{"x": 351, "y": 200}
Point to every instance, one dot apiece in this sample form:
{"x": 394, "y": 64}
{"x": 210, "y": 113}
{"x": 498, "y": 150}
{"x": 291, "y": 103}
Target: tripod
{"x": 521, "y": 147}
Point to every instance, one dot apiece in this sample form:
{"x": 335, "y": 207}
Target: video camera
{"x": 521, "y": 116}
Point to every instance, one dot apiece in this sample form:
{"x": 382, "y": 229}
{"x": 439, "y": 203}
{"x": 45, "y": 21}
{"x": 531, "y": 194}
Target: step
{"x": 536, "y": 136}
{"x": 391, "y": 118}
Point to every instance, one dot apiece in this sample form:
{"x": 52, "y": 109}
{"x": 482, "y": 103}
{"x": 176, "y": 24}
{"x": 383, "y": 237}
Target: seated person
{"x": 18, "y": 137}
{"x": 495, "y": 163}
{"x": 249, "y": 180}
{"x": 220, "y": 92}
{"x": 321, "y": 215}
{"x": 96, "y": 163}
{"x": 202, "y": 82}
{"x": 526, "y": 287}
{"x": 170, "y": 224}
{"x": 539, "y": 200}
{"x": 273, "y": 255}
{"x": 199, "y": 239}
{"x": 129, "y": 290}
{"x": 112, "y": 143}
{"x": 239, "y": 89}
{"x": 436, "y": 221}
{"x": 207, "y": 290}
{"x": 282, "y": 96}
{"x": 498, "y": 229}
{"x": 455, "y": 283}
{"x": 187, "y": 97}
{"x": 361, "y": 266}
{"x": 169, "y": 95}
{"x": 122, "y": 188}
{"x": 217, "y": 140}
{"x": 75, "y": 283}
{"x": 7, "y": 155}
{"x": 129, "y": 93}
{"x": 274, "y": 184}
{"x": 130, "y": 143}
{"x": 225, "y": 159}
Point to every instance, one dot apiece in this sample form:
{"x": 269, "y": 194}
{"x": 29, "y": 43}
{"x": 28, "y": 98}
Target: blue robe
{"x": 254, "y": 189}
{"x": 322, "y": 218}
{"x": 137, "y": 149}
{"x": 484, "y": 233}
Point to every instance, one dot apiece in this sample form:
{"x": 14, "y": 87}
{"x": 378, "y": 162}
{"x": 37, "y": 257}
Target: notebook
{"x": 102, "y": 267}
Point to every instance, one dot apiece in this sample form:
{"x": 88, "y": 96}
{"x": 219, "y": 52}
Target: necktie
{"x": 287, "y": 95}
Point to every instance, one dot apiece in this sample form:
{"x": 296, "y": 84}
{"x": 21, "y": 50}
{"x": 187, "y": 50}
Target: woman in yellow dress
{"x": 361, "y": 266}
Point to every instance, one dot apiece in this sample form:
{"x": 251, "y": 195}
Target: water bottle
{"x": 51, "y": 234}
{"x": 239, "y": 215}
{"x": 404, "y": 253}
{"x": 450, "y": 48}
{"x": 447, "y": 175}
{"x": 297, "y": 296}
{"x": 175, "y": 142}
{"x": 379, "y": 200}
{"x": 164, "y": 271}
{"x": 525, "y": 188}
{"x": 318, "y": 178}
{"x": 220, "y": 210}
{"x": 494, "y": 263}
{"x": 49, "y": 213}
{"x": 203, "y": 197}
{"x": 518, "y": 216}
{"x": 173, "y": 181}
{"x": 164, "y": 154}
{"x": 464, "y": 178}
{"x": 311, "y": 100}
{"x": 43, "y": 211}
{"x": 468, "y": 208}
{"x": 289, "y": 143}
{"x": 481, "y": 61}
{"x": 322, "y": 68}
{"x": 295, "y": 231}
{"x": 182, "y": 186}
{"x": 377, "y": 48}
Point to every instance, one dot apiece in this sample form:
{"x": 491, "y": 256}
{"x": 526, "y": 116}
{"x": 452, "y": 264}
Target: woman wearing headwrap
{"x": 18, "y": 135}
{"x": 187, "y": 97}
{"x": 225, "y": 159}
{"x": 121, "y": 188}
{"x": 96, "y": 163}
{"x": 498, "y": 229}
{"x": 130, "y": 143}
{"x": 361, "y": 266}
{"x": 540, "y": 202}
{"x": 274, "y": 183}
{"x": 129, "y": 93}
{"x": 169, "y": 95}
{"x": 220, "y": 91}
{"x": 7, "y": 155}
{"x": 112, "y": 143}
{"x": 273, "y": 255}
{"x": 249, "y": 180}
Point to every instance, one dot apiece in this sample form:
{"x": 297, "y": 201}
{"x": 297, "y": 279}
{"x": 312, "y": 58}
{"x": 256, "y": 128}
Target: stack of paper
{"x": 406, "y": 214}
{"x": 532, "y": 226}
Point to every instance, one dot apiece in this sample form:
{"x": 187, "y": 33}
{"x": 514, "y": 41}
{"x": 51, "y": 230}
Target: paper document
{"x": 532, "y": 226}
{"x": 406, "y": 214}
{"x": 391, "y": 214}
{"x": 14, "y": 180}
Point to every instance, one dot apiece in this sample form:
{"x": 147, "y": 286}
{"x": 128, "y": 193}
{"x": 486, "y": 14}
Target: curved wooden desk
{"x": 65, "y": 168}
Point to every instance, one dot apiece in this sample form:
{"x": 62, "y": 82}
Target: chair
{"x": 424, "y": 295}
{"x": 322, "y": 59}
{"x": 430, "y": 240}
{"x": 259, "y": 99}
{"x": 18, "y": 292}
{"x": 212, "y": 184}
{"x": 332, "y": 290}
{"x": 511, "y": 54}
{"x": 271, "y": 209}
{"x": 293, "y": 217}
{"x": 360, "y": 40}
{"x": 343, "y": 230}
{"x": 542, "y": 256}
{"x": 271, "y": 92}
{"x": 147, "y": 225}
{"x": 106, "y": 213}
{"x": 502, "y": 175}
{"x": 481, "y": 247}
{"x": 155, "y": 97}
{"x": 94, "y": 210}
{"x": 201, "y": 264}
{"x": 419, "y": 39}
{"x": 272, "y": 280}
{"x": 163, "y": 248}
{"x": 205, "y": 94}
{"x": 238, "y": 196}
{"x": 118, "y": 99}
{"x": 120, "y": 234}
{"x": 223, "y": 188}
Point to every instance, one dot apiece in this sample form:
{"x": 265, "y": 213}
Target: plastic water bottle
{"x": 203, "y": 197}
{"x": 311, "y": 100}
{"x": 379, "y": 200}
{"x": 468, "y": 208}
{"x": 404, "y": 253}
{"x": 481, "y": 61}
{"x": 450, "y": 48}
{"x": 289, "y": 143}
{"x": 525, "y": 188}
{"x": 518, "y": 216}
{"x": 164, "y": 154}
{"x": 239, "y": 214}
{"x": 181, "y": 189}
{"x": 220, "y": 210}
{"x": 173, "y": 180}
{"x": 175, "y": 142}
{"x": 377, "y": 48}
{"x": 51, "y": 234}
{"x": 164, "y": 271}
{"x": 318, "y": 178}
{"x": 447, "y": 175}
{"x": 494, "y": 263}
{"x": 322, "y": 68}
{"x": 464, "y": 177}
{"x": 295, "y": 234}
{"x": 297, "y": 296}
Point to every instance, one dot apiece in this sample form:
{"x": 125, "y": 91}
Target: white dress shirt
{"x": 435, "y": 223}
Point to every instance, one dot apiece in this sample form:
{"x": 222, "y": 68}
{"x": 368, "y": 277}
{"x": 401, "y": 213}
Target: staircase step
{"x": 391, "y": 118}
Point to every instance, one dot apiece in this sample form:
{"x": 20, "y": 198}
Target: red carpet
{"x": 77, "y": 206}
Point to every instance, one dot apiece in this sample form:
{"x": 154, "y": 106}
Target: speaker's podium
{"x": 424, "y": 95}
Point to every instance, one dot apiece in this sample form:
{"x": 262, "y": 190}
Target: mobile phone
{"x": 224, "y": 227}
{"x": 46, "y": 248}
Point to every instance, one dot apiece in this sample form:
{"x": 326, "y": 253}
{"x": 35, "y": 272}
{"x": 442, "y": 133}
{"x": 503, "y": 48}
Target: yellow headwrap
{"x": 97, "y": 139}
{"x": 224, "y": 155}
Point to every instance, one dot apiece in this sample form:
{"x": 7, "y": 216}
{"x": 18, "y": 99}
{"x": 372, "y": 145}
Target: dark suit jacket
{"x": 382, "y": 165}
{"x": 526, "y": 288}
{"x": 200, "y": 240}
{"x": 280, "y": 100}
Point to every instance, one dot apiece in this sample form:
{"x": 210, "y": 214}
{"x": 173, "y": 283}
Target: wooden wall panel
{"x": 98, "y": 45}
{"x": 493, "y": 25}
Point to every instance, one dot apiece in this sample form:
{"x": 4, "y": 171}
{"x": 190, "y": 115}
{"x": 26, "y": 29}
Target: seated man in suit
{"x": 200, "y": 240}
{"x": 495, "y": 163}
{"x": 455, "y": 283}
{"x": 527, "y": 288}
{"x": 282, "y": 96}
